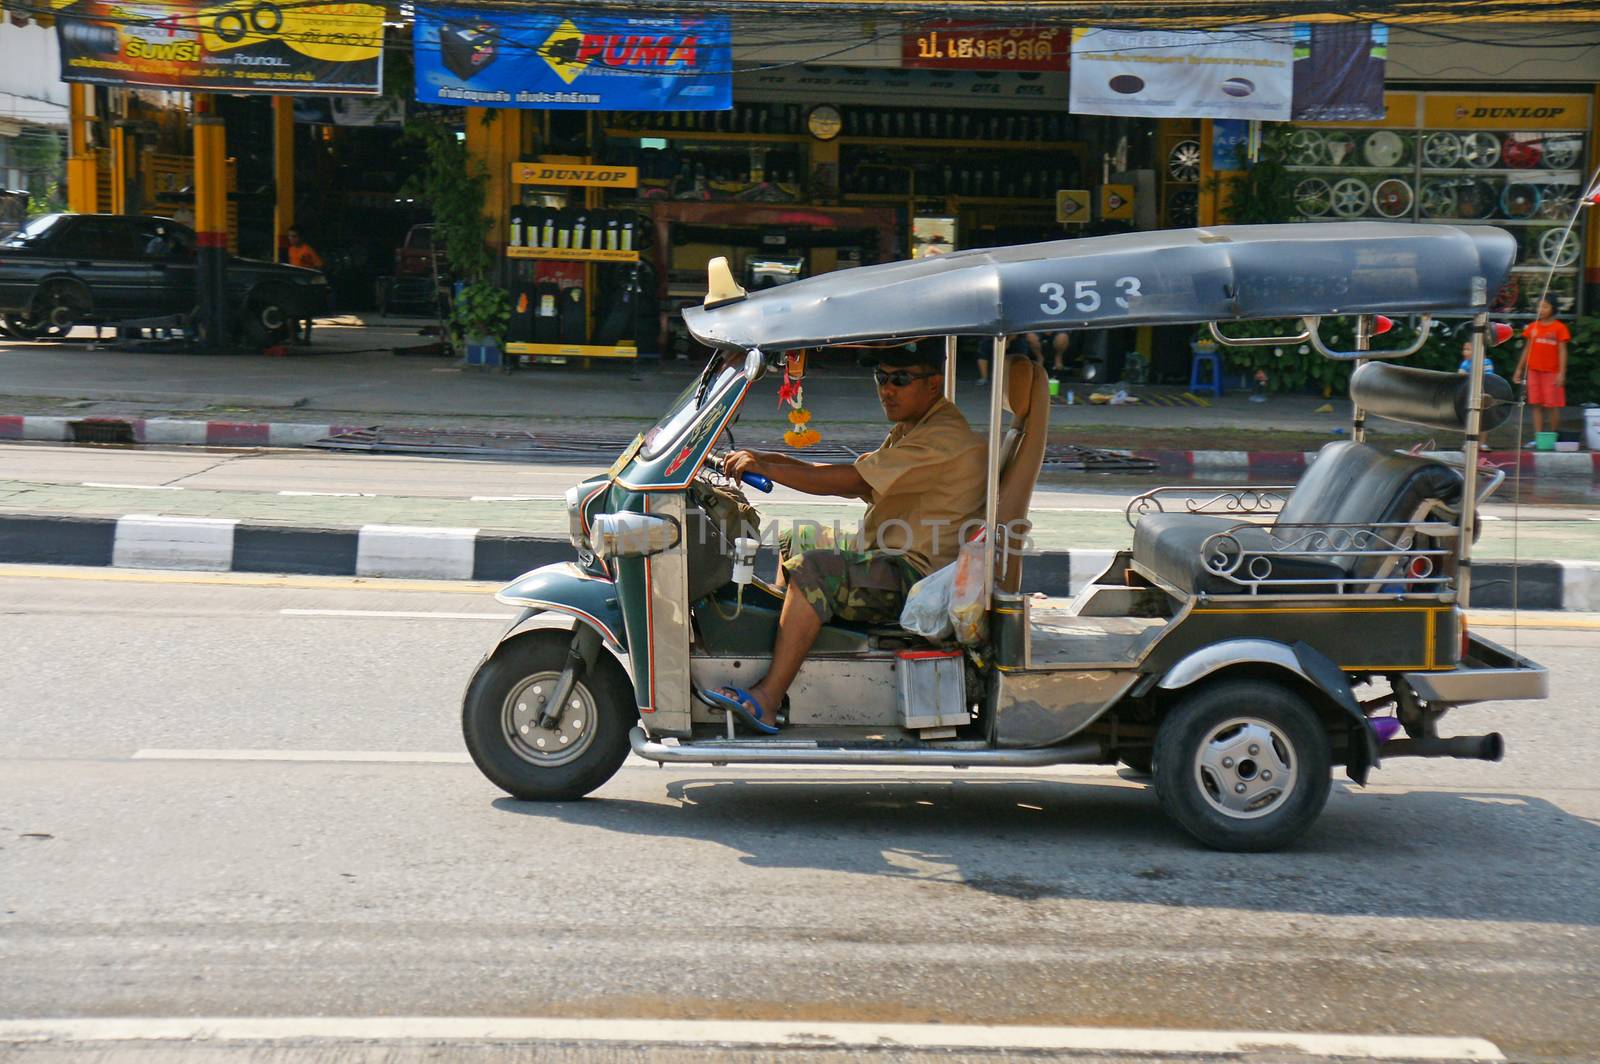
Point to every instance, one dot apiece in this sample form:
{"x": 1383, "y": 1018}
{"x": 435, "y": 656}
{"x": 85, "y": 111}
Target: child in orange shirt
{"x": 302, "y": 254}
{"x": 1544, "y": 357}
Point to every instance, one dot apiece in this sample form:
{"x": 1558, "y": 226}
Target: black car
{"x": 62, "y": 270}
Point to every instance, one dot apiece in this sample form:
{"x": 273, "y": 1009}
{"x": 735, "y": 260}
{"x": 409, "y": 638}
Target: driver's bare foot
{"x": 764, "y": 701}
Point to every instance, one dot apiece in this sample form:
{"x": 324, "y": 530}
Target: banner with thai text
{"x": 243, "y": 46}
{"x": 572, "y": 62}
{"x": 950, "y": 45}
{"x": 1235, "y": 73}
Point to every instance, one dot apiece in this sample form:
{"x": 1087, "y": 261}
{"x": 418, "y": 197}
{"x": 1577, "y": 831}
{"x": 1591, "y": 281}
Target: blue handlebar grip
{"x": 757, "y": 481}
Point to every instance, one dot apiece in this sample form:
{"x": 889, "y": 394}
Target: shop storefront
{"x": 1514, "y": 160}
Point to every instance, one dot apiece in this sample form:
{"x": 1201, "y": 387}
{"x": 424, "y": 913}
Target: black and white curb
{"x": 209, "y": 544}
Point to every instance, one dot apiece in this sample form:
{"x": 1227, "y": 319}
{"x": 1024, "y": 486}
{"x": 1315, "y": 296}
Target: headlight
{"x": 630, "y": 535}
{"x": 575, "y": 533}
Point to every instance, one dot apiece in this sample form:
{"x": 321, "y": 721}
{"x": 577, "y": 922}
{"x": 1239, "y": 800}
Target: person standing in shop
{"x": 1544, "y": 361}
{"x": 302, "y": 254}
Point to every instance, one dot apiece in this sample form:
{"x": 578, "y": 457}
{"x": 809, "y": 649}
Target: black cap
{"x": 905, "y": 356}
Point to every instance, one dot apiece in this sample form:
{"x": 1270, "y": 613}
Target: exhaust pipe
{"x": 1470, "y": 747}
{"x": 781, "y": 751}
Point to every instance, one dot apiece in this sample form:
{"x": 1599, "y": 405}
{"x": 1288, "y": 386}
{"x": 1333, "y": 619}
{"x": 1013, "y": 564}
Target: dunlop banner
{"x": 575, "y": 62}
{"x": 245, "y": 46}
{"x": 577, "y": 175}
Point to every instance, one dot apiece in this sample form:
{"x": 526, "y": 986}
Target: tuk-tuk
{"x": 1249, "y": 639}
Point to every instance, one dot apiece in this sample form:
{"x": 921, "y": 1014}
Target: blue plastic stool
{"x": 1213, "y": 383}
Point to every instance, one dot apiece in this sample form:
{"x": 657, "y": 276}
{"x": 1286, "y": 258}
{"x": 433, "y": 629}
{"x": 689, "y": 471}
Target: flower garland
{"x": 792, "y": 392}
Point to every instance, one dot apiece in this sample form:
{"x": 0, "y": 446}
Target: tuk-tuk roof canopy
{"x": 1169, "y": 277}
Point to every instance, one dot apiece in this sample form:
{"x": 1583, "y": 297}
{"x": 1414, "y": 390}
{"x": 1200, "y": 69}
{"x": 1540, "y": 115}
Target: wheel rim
{"x": 1441, "y": 151}
{"x": 1350, "y": 198}
{"x": 1311, "y": 196}
{"x": 1480, "y": 150}
{"x": 572, "y": 734}
{"x": 1438, "y": 200}
{"x": 1384, "y": 148}
{"x": 1305, "y": 147}
{"x": 1558, "y": 247}
{"x": 1338, "y": 147}
{"x": 1392, "y": 198}
{"x": 1184, "y": 163}
{"x": 1245, "y": 768}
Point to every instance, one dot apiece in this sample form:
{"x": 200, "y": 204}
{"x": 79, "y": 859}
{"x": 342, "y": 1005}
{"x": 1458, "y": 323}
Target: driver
{"x": 922, "y": 486}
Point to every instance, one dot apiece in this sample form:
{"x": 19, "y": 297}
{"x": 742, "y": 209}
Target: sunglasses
{"x": 899, "y": 378}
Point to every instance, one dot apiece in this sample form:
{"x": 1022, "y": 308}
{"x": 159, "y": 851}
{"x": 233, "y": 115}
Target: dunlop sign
{"x": 577, "y": 175}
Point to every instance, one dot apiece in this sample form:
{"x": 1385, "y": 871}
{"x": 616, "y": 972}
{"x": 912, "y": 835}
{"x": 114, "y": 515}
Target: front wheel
{"x": 1243, "y": 765}
{"x": 581, "y": 748}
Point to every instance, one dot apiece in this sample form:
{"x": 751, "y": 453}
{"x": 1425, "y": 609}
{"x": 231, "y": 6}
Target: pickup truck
{"x": 62, "y": 270}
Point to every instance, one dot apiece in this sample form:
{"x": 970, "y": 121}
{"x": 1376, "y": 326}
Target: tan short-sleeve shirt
{"x": 926, "y": 481}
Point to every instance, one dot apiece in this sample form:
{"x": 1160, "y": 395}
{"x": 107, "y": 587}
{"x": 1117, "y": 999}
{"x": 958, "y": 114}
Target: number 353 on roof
{"x": 480, "y": 58}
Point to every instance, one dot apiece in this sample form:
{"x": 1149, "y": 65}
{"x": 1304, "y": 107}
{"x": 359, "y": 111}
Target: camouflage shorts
{"x": 862, "y": 587}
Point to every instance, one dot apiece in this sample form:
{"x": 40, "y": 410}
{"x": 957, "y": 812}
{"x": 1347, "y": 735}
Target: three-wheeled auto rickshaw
{"x": 1244, "y": 643}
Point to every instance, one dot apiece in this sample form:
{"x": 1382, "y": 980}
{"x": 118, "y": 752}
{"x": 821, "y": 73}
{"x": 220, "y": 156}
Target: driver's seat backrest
{"x": 1021, "y": 456}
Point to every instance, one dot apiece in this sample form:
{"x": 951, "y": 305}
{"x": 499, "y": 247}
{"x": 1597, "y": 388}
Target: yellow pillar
{"x": 211, "y": 219}
{"x": 282, "y": 172}
{"x": 119, "y": 170}
{"x": 83, "y": 182}
{"x": 494, "y": 139}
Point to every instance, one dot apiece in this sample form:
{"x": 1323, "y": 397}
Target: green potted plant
{"x": 482, "y": 312}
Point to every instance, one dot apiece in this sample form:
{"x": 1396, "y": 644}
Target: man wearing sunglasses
{"x": 922, "y": 486}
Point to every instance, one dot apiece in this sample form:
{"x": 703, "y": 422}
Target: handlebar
{"x": 755, "y": 480}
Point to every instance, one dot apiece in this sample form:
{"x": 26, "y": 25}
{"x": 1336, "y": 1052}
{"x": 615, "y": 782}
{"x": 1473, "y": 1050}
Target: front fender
{"x": 566, "y": 589}
{"x": 1304, "y": 661}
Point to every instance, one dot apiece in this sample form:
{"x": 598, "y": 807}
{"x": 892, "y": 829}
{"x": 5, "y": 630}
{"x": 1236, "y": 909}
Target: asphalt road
{"x": 1449, "y": 898}
{"x": 308, "y": 470}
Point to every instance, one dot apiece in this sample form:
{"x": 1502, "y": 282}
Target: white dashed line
{"x": 421, "y": 615}
{"x": 724, "y": 1033}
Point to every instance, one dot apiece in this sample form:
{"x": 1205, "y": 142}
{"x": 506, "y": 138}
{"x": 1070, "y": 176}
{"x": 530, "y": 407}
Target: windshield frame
{"x": 691, "y": 405}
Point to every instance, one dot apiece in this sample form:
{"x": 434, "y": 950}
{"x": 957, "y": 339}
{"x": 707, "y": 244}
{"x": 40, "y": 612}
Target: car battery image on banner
{"x": 468, "y": 50}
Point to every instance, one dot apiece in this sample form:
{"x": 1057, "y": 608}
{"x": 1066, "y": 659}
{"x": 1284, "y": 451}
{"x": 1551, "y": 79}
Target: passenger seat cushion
{"x": 1168, "y": 547}
{"x": 1352, "y": 483}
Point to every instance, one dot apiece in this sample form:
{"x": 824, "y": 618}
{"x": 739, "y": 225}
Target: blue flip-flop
{"x": 738, "y": 705}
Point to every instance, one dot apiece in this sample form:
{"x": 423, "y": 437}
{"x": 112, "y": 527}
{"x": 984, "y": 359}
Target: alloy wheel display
{"x": 1480, "y": 150}
{"x": 1384, "y": 148}
{"x": 1350, "y": 198}
{"x": 1184, "y": 162}
{"x": 1438, "y": 199}
{"x": 1441, "y": 151}
{"x": 1393, "y": 198}
{"x": 1313, "y": 197}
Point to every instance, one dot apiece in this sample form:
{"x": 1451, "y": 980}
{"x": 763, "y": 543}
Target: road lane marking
{"x": 767, "y": 1033}
{"x": 106, "y": 574}
{"x": 391, "y": 756}
{"x": 514, "y": 498}
{"x": 331, "y": 494}
{"x": 140, "y": 487}
{"x": 411, "y": 614}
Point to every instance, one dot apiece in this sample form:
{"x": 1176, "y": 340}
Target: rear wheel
{"x": 581, "y": 748}
{"x": 1243, "y": 765}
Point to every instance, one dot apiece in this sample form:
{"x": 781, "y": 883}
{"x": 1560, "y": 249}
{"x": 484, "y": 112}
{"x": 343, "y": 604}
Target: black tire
{"x": 268, "y": 317}
{"x": 1281, "y": 738}
{"x": 488, "y": 716}
{"x": 58, "y": 306}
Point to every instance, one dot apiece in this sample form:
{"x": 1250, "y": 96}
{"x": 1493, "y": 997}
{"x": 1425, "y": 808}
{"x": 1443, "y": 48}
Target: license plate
{"x": 624, "y": 458}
